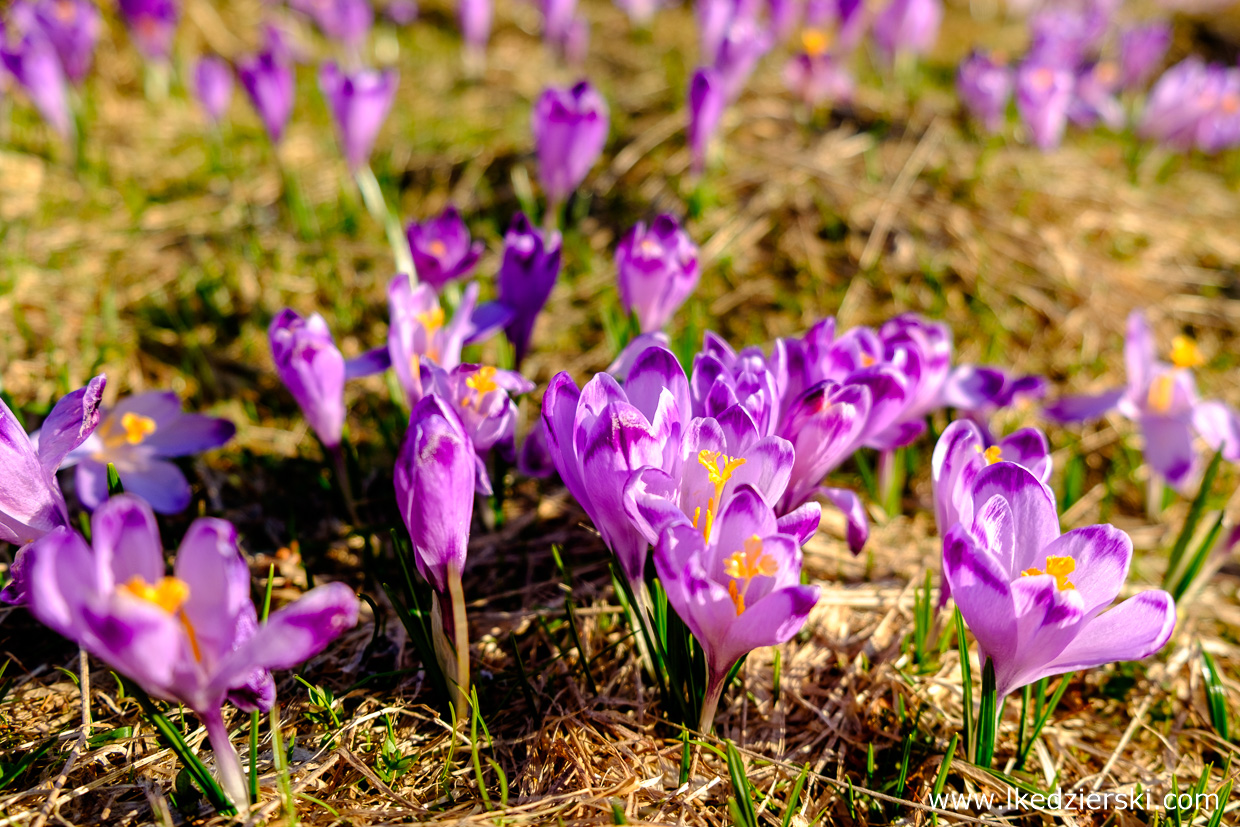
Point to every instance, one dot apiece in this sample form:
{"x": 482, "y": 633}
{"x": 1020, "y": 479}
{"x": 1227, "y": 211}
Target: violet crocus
{"x": 985, "y": 87}
{"x": 474, "y": 18}
{"x": 213, "y": 85}
{"x": 706, "y": 102}
{"x": 739, "y": 591}
{"x": 1037, "y": 601}
{"x": 961, "y": 453}
{"x": 570, "y": 130}
{"x": 401, "y": 12}
{"x": 442, "y": 249}
{"x": 818, "y": 77}
{"x": 1043, "y": 96}
{"x": 907, "y": 27}
{"x": 558, "y": 16}
{"x": 1095, "y": 97}
{"x": 345, "y": 21}
{"x": 527, "y": 275}
{"x": 599, "y": 435}
{"x": 31, "y": 503}
{"x": 418, "y": 328}
{"x": 71, "y": 26}
{"x": 656, "y": 271}
{"x": 1141, "y": 50}
{"x": 268, "y": 80}
{"x": 313, "y": 369}
{"x": 481, "y": 395}
{"x": 152, "y": 25}
{"x": 744, "y": 43}
{"x": 138, "y": 437}
{"x": 35, "y": 66}
{"x": 1161, "y": 398}
{"x": 1177, "y": 103}
{"x": 359, "y": 102}
{"x": 713, "y": 18}
{"x": 192, "y": 637}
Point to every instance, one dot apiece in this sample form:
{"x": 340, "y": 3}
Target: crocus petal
{"x": 1139, "y": 352}
{"x": 1083, "y": 408}
{"x": 1102, "y": 554}
{"x": 623, "y": 363}
{"x": 858, "y": 523}
{"x": 652, "y": 501}
{"x": 71, "y": 421}
{"x": 1047, "y": 618}
{"x": 654, "y": 371}
{"x": 1169, "y": 448}
{"x": 59, "y": 557}
{"x": 982, "y": 591}
{"x": 292, "y": 634}
{"x": 90, "y": 480}
{"x": 486, "y": 320}
{"x": 160, "y": 483}
{"x": 126, "y": 537}
{"x": 219, "y": 603}
{"x": 771, "y": 621}
{"x": 1219, "y": 426}
{"x": 369, "y": 363}
{"x": 1028, "y": 448}
{"x": 1135, "y": 629}
{"x": 802, "y": 522}
{"x": 1032, "y": 505}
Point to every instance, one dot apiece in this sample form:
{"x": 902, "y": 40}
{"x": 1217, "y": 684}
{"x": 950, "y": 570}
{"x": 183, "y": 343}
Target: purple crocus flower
{"x": 213, "y": 84}
{"x": 599, "y": 435}
{"x": 1065, "y": 37}
{"x": 706, "y": 105}
{"x": 907, "y": 27}
{"x": 71, "y": 26}
{"x": 527, "y": 275}
{"x": 961, "y": 453}
{"x": 1141, "y": 50}
{"x": 313, "y": 369}
{"x": 713, "y": 19}
{"x": 722, "y": 378}
{"x": 1043, "y": 95}
{"x": 442, "y": 249}
{"x": 1037, "y": 601}
{"x": 744, "y": 43}
{"x": 346, "y": 21}
{"x": 737, "y": 592}
{"x": 819, "y": 77}
{"x": 985, "y": 87}
{"x": 139, "y": 436}
{"x": 1177, "y": 103}
{"x": 1219, "y": 127}
{"x": 190, "y": 638}
{"x": 401, "y": 12}
{"x": 474, "y": 18}
{"x": 359, "y": 102}
{"x": 1160, "y": 397}
{"x": 656, "y": 270}
{"x": 268, "y": 79}
{"x": 34, "y": 64}
{"x": 558, "y": 16}
{"x": 480, "y": 395}
{"x": 570, "y": 129}
{"x": 152, "y": 25}
{"x": 435, "y": 478}
{"x": 1094, "y": 97}
{"x": 31, "y": 503}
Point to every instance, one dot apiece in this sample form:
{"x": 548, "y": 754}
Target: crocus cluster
{"x": 192, "y": 637}
{"x": 1161, "y": 398}
{"x": 1194, "y": 105}
{"x": 46, "y": 46}
{"x": 1080, "y": 63}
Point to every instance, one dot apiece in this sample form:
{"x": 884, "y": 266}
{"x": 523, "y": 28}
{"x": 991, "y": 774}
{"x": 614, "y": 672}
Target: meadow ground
{"x": 161, "y": 254}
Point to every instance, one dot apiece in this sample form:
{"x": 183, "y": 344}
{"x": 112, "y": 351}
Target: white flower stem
{"x": 710, "y": 702}
{"x": 372, "y": 197}
{"x": 460, "y": 641}
{"x": 227, "y": 762}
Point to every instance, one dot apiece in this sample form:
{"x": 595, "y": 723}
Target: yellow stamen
{"x": 137, "y": 427}
{"x": 169, "y": 594}
{"x": 719, "y": 476}
{"x": 993, "y": 454}
{"x": 815, "y": 42}
{"x": 432, "y": 319}
{"x": 867, "y": 360}
{"x": 481, "y": 382}
{"x": 1161, "y": 393}
{"x": 745, "y": 566}
{"x": 1057, "y": 567}
{"x": 1185, "y": 353}
{"x": 438, "y": 248}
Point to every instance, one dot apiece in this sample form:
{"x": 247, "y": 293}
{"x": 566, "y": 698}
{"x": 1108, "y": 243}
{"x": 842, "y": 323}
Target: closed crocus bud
{"x": 1094, "y": 98}
{"x": 570, "y": 130}
{"x": 359, "y": 102}
{"x": 268, "y": 79}
{"x": 34, "y": 65}
{"x": 72, "y": 27}
{"x": 213, "y": 84}
{"x": 713, "y": 19}
{"x": 985, "y": 87}
{"x": 557, "y": 17}
{"x": 345, "y": 21}
{"x": 706, "y": 105}
{"x": 744, "y": 44}
{"x": 401, "y": 12}
{"x": 435, "y": 479}
{"x": 818, "y": 78}
{"x": 656, "y": 270}
{"x": 1141, "y": 50}
{"x": 152, "y": 24}
{"x": 1043, "y": 95}
{"x": 907, "y": 27}
{"x": 312, "y": 368}
{"x": 442, "y": 249}
{"x": 526, "y": 277}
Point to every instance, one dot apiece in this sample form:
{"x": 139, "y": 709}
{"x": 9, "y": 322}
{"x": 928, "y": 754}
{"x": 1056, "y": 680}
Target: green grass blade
{"x": 1192, "y": 519}
{"x": 940, "y": 780}
{"x": 1198, "y": 559}
{"x": 1216, "y": 696}
{"x": 748, "y": 816}
{"x": 1043, "y": 717}
{"x": 966, "y": 680}
{"x": 114, "y": 481}
{"x": 794, "y": 798}
{"x": 987, "y": 717}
